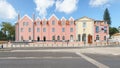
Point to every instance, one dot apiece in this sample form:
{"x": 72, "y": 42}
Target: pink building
{"x": 53, "y": 29}
{"x": 101, "y": 31}
{"x": 61, "y": 30}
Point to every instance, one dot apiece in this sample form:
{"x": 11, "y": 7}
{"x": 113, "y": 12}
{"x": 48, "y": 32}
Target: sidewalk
{"x": 99, "y": 50}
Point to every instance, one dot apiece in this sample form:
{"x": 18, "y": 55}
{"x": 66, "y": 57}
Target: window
{"x": 63, "y": 29}
{"x": 71, "y": 38}
{"x": 21, "y": 29}
{"x": 97, "y": 22}
{"x": 38, "y": 38}
{"x": 22, "y": 38}
{"x": 84, "y": 37}
{"x": 105, "y": 29}
{"x": 44, "y": 22}
{"x": 44, "y": 38}
{"x": 97, "y": 37}
{"x": 53, "y": 22}
{"x": 97, "y": 29}
{"x": 58, "y": 37}
{"x": 79, "y": 37}
{"x": 63, "y": 38}
{"x": 29, "y": 29}
{"x": 53, "y": 38}
{"x": 44, "y": 29}
{"x": 105, "y": 38}
{"x": 29, "y": 37}
{"x": 38, "y": 29}
{"x": 63, "y": 23}
{"x": 71, "y": 29}
{"x": 71, "y": 22}
{"x": 53, "y": 29}
{"x": 25, "y": 23}
{"x": 38, "y": 23}
{"x": 84, "y": 24}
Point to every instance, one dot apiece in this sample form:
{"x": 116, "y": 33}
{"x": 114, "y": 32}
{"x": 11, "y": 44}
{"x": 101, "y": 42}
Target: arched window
{"x": 38, "y": 38}
{"x": 29, "y": 37}
{"x": 84, "y": 37}
{"x": 63, "y": 38}
{"x": 58, "y": 37}
{"x": 53, "y": 38}
{"x": 71, "y": 37}
{"x": 105, "y": 38}
{"x": 44, "y": 38}
{"x": 79, "y": 37}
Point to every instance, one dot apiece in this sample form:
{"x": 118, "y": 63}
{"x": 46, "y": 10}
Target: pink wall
{"x": 25, "y": 33}
{"x": 58, "y": 26}
{"x": 47, "y": 24}
{"x": 101, "y": 33}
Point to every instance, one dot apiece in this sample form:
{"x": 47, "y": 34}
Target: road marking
{"x": 39, "y": 57}
{"x": 96, "y": 63}
{"x": 11, "y": 57}
{"x": 117, "y": 54}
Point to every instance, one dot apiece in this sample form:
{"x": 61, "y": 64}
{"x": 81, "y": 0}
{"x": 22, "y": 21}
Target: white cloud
{"x": 66, "y": 6}
{"x": 98, "y": 3}
{"x": 7, "y": 11}
{"x": 43, "y": 5}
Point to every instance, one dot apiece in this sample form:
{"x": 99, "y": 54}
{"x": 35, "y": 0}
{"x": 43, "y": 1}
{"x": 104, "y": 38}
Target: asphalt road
{"x": 57, "y": 60}
{"x": 43, "y": 60}
{"x": 113, "y": 61}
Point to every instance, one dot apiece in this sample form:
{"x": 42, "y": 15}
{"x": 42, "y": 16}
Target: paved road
{"x": 113, "y": 61}
{"x": 57, "y": 60}
{"x": 43, "y": 60}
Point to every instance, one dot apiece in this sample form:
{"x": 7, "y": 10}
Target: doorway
{"x": 44, "y": 38}
{"x": 90, "y": 39}
{"x": 38, "y": 38}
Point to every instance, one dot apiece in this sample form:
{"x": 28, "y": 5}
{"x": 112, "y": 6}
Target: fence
{"x": 56, "y": 44}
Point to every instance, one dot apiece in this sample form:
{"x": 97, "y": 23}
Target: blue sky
{"x": 67, "y": 8}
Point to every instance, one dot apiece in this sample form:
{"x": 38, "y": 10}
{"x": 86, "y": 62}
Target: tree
{"x": 113, "y": 30}
{"x": 8, "y": 29}
{"x": 106, "y": 16}
{"x": 2, "y": 36}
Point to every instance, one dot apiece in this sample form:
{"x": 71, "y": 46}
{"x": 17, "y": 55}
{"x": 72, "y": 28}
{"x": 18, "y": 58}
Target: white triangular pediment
{"x": 85, "y": 19}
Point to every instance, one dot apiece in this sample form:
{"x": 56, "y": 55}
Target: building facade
{"x": 53, "y": 29}
{"x": 84, "y": 30}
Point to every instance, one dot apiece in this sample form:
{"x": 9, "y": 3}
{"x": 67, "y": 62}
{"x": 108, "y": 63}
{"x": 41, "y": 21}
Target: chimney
{"x": 33, "y": 17}
{"x": 18, "y": 16}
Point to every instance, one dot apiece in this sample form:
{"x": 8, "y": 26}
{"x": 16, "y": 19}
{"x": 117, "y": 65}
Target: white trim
{"x": 38, "y": 19}
{"x": 53, "y": 15}
{"x": 44, "y": 19}
{"x": 26, "y": 16}
{"x": 71, "y": 18}
{"x": 63, "y": 18}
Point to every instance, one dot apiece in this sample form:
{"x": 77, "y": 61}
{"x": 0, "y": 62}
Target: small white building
{"x": 116, "y": 37}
